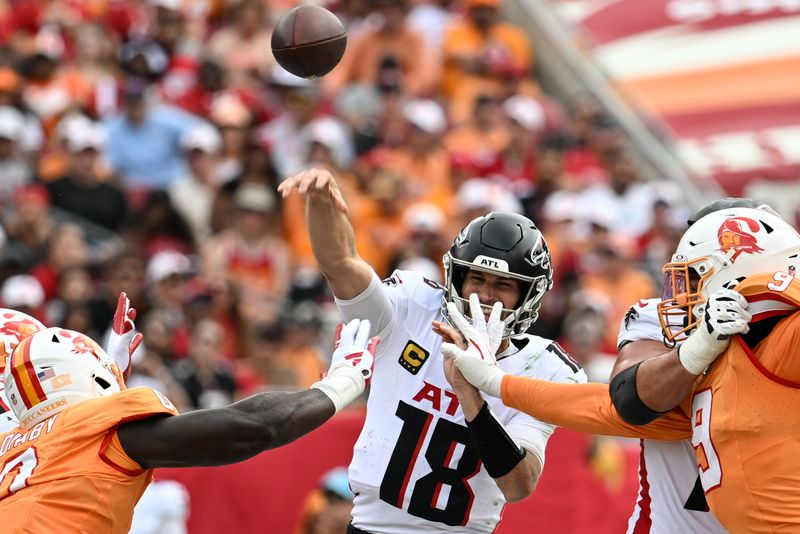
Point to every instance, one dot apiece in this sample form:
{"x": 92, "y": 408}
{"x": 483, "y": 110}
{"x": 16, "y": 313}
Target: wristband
{"x": 343, "y": 385}
{"x": 698, "y": 351}
{"x": 499, "y": 452}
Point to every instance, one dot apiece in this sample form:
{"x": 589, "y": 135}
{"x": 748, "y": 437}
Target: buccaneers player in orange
{"x": 86, "y": 446}
{"x": 741, "y": 413}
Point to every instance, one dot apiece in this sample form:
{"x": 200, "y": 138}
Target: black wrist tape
{"x": 499, "y": 452}
{"x": 626, "y": 399}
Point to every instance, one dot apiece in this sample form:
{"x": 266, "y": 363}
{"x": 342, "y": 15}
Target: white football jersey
{"x": 414, "y": 466}
{"x": 670, "y": 497}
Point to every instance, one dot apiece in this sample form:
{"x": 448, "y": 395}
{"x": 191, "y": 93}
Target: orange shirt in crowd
{"x": 427, "y": 176}
{"x": 629, "y": 286}
{"x": 69, "y": 473}
{"x": 741, "y": 416}
{"x": 363, "y": 57}
{"x": 303, "y": 363}
{"x": 464, "y": 39}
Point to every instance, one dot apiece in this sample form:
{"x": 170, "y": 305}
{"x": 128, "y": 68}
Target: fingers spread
{"x": 362, "y": 335}
{"x": 494, "y": 317}
{"x": 476, "y": 311}
{"x": 457, "y": 318}
{"x": 349, "y": 332}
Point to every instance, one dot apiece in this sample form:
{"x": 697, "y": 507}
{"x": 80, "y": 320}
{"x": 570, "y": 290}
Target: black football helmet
{"x": 504, "y": 244}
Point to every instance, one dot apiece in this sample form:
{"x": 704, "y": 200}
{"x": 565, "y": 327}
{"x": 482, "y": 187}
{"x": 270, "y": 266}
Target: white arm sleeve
{"x": 374, "y": 303}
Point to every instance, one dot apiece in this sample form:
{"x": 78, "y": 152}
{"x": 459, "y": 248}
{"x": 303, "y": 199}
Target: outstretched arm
{"x": 225, "y": 435}
{"x": 585, "y": 407}
{"x": 261, "y": 422}
{"x": 332, "y": 237}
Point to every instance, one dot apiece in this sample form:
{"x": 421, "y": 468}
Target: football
{"x": 308, "y": 41}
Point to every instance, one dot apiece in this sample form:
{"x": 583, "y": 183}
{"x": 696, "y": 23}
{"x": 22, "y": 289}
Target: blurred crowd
{"x": 142, "y": 141}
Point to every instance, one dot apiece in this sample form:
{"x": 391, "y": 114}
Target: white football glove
{"x": 477, "y": 362}
{"x": 351, "y": 363}
{"x": 725, "y": 315}
{"x": 123, "y": 339}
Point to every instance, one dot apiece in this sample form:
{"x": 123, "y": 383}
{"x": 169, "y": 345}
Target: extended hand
{"x": 725, "y": 315}
{"x": 351, "y": 363}
{"x": 477, "y": 362}
{"x": 317, "y": 182}
{"x": 124, "y": 340}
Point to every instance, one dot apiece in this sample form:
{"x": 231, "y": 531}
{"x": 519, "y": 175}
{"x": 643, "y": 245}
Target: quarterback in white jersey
{"x": 414, "y": 466}
{"x": 434, "y": 454}
{"x": 670, "y": 498}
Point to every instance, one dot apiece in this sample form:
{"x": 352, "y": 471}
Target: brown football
{"x": 308, "y": 41}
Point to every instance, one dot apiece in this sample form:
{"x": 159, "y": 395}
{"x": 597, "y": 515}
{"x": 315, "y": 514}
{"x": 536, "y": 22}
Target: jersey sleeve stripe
{"x": 564, "y": 357}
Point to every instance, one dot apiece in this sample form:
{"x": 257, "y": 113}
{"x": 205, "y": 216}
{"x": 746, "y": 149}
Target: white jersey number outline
{"x": 26, "y": 462}
{"x": 711, "y": 472}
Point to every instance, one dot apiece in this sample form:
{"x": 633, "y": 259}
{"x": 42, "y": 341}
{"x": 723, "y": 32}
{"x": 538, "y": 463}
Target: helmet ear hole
{"x": 102, "y": 382}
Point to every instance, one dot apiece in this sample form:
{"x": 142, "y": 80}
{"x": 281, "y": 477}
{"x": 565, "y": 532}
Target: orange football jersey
{"x": 69, "y": 473}
{"x": 743, "y": 416}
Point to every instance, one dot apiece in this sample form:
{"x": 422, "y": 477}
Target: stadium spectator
{"x": 479, "y": 50}
{"x": 83, "y": 191}
{"x": 66, "y": 250}
{"x": 24, "y": 293}
{"x": 251, "y": 254}
{"x": 327, "y": 508}
{"x": 420, "y": 157}
{"x": 144, "y": 141}
{"x": 391, "y": 57}
{"x": 206, "y": 375}
{"x": 14, "y": 170}
{"x": 193, "y": 194}
{"x": 626, "y": 199}
{"x": 241, "y": 46}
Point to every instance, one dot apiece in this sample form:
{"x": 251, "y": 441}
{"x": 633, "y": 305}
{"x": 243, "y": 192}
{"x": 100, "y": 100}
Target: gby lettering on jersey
{"x": 15, "y": 439}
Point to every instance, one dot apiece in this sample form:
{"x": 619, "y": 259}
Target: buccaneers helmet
{"x": 54, "y": 369}
{"x": 14, "y": 327}
{"x": 718, "y": 251}
{"x": 727, "y": 203}
{"x": 504, "y": 244}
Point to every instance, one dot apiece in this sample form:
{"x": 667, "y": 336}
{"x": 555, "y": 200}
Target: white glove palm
{"x": 351, "y": 363}
{"x": 477, "y": 362}
{"x": 725, "y": 315}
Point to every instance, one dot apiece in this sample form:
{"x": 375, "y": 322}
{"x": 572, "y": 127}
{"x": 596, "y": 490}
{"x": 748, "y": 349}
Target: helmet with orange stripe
{"x": 54, "y": 369}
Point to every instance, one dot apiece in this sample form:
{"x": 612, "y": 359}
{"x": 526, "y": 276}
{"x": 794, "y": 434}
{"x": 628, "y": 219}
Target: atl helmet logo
{"x": 736, "y": 234}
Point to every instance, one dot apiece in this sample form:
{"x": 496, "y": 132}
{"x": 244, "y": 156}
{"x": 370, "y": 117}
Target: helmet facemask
{"x": 682, "y": 302}
{"x": 517, "y": 319}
